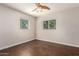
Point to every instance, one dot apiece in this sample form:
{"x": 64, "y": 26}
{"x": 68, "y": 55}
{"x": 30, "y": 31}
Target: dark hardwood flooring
{"x": 40, "y": 48}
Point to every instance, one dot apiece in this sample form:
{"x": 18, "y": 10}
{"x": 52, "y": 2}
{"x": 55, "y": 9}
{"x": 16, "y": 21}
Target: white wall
{"x": 67, "y": 27}
{"x": 10, "y": 32}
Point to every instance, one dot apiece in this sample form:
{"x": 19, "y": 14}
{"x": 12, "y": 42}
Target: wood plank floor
{"x": 40, "y": 48}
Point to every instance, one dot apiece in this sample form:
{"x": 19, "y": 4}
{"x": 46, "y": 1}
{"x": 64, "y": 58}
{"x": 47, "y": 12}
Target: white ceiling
{"x": 28, "y": 7}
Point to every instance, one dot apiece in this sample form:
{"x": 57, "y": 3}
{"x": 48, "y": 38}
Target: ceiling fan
{"x": 40, "y": 7}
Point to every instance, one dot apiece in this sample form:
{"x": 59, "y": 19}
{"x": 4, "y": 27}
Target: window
{"x": 23, "y": 24}
{"x": 49, "y": 24}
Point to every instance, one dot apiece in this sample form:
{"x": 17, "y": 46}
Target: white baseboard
{"x": 73, "y": 45}
{"x": 38, "y": 39}
{"x": 5, "y": 47}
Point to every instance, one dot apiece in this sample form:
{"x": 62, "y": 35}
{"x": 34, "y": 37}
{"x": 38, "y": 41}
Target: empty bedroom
{"x": 39, "y": 29}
